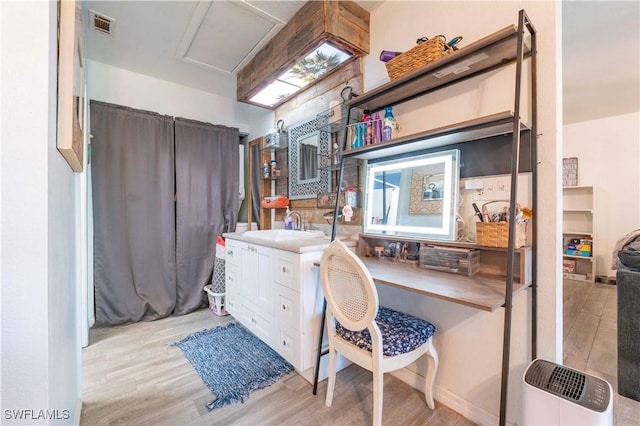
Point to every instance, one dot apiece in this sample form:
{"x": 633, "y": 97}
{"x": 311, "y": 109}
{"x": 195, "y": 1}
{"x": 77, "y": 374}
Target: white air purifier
{"x": 557, "y": 395}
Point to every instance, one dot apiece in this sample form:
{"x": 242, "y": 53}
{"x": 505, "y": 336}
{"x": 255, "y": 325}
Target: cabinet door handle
{"x": 284, "y": 269}
{"x": 284, "y": 307}
{"x": 284, "y": 343}
{"x": 230, "y": 253}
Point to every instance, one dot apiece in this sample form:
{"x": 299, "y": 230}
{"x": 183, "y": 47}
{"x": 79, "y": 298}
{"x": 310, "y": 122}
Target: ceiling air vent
{"x": 101, "y": 23}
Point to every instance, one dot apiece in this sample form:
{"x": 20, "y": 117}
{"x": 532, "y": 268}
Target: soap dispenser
{"x": 287, "y": 219}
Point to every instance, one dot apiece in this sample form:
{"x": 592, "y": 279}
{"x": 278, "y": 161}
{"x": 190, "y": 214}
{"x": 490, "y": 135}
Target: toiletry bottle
{"x": 265, "y": 170}
{"x": 358, "y": 141}
{"x": 389, "y": 124}
{"x": 367, "y": 120}
{"x": 336, "y": 154}
{"x": 287, "y": 220}
{"x": 377, "y": 128}
{"x": 274, "y": 168}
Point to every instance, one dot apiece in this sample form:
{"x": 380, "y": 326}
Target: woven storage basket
{"x": 497, "y": 234}
{"x": 417, "y": 57}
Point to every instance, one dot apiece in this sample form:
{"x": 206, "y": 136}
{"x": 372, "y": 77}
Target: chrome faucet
{"x": 297, "y": 220}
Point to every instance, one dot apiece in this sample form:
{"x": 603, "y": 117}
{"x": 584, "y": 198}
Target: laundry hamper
{"x": 216, "y": 290}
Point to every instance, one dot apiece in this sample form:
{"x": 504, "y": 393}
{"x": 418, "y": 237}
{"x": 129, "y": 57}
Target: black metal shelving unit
{"x": 495, "y": 51}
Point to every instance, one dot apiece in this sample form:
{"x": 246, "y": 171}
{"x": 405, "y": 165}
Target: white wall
{"x": 608, "y": 152}
{"x": 123, "y": 87}
{"x": 470, "y": 342}
{"x": 40, "y": 344}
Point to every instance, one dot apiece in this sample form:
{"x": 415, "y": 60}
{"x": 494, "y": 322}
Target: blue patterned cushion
{"x": 401, "y": 333}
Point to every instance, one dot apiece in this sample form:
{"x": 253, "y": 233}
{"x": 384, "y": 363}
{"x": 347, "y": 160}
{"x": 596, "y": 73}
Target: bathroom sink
{"x": 283, "y": 234}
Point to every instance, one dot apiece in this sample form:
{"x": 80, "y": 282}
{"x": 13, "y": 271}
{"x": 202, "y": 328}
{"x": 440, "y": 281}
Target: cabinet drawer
{"x": 232, "y": 283}
{"x": 287, "y": 269}
{"x": 258, "y": 323}
{"x": 287, "y": 307}
{"x": 232, "y": 252}
{"x": 288, "y": 345}
{"x": 232, "y": 304}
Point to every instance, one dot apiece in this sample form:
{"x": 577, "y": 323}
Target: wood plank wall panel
{"x": 345, "y": 23}
{"x": 306, "y": 106}
{"x": 348, "y": 25}
{"x": 282, "y": 50}
{"x": 317, "y": 98}
{"x": 349, "y": 22}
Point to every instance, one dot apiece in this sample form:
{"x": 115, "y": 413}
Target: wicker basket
{"x": 417, "y": 57}
{"x": 494, "y": 234}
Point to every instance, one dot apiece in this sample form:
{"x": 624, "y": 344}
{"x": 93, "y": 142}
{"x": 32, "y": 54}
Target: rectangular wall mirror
{"x": 309, "y": 159}
{"x": 413, "y": 197}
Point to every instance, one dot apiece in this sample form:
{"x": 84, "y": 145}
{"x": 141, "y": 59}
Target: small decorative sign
{"x": 328, "y": 200}
{"x": 570, "y": 171}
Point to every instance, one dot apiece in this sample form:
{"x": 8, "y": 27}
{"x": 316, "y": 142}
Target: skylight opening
{"x": 319, "y": 62}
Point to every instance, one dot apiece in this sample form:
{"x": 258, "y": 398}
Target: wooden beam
{"x": 343, "y": 23}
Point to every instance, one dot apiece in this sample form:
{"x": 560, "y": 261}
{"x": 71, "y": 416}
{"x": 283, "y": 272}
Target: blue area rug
{"x": 232, "y": 362}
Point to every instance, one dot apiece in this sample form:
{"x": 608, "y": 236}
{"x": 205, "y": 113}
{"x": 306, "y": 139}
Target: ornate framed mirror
{"x": 309, "y": 159}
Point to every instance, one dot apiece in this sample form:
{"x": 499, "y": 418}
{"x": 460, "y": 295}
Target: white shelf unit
{"x": 578, "y": 222}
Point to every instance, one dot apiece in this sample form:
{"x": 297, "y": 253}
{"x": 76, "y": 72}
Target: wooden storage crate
{"x": 496, "y": 234}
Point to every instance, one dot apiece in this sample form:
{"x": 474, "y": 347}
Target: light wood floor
{"x": 590, "y": 339}
{"x": 132, "y": 376}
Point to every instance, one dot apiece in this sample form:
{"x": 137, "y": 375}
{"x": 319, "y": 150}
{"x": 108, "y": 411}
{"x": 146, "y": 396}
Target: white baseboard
{"x": 451, "y": 400}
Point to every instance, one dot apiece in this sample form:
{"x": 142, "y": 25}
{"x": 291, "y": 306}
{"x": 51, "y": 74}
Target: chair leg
{"x": 432, "y": 368}
{"x": 378, "y": 391}
{"x": 331, "y": 376}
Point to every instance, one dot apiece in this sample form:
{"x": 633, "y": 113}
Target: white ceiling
{"x": 601, "y": 59}
{"x": 204, "y": 44}
{"x": 197, "y": 44}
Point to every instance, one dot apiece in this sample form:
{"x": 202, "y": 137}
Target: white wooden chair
{"x": 376, "y": 338}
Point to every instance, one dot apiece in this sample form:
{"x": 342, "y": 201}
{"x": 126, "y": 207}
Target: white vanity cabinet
{"x": 276, "y": 294}
{"x": 249, "y": 287}
{"x": 297, "y": 306}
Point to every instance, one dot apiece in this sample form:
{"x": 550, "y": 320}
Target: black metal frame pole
{"x": 515, "y": 160}
{"x": 316, "y": 371}
{"x": 336, "y": 210}
{"x": 534, "y": 188}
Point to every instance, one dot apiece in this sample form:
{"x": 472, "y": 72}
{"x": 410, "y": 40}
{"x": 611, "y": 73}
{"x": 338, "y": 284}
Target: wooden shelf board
{"x": 577, "y": 233}
{"x": 486, "y": 54}
{"x": 479, "y": 128}
{"x": 578, "y": 187}
{"x": 477, "y": 291}
{"x": 571, "y": 256}
{"x": 462, "y": 244}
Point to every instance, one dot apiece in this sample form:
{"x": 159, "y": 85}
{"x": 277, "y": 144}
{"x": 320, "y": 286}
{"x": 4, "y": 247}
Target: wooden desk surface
{"x": 477, "y": 291}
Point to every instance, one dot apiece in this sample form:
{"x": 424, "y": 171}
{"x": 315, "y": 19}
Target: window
{"x": 319, "y": 62}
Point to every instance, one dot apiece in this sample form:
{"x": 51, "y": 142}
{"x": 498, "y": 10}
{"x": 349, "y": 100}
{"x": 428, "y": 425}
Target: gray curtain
{"x": 132, "y": 154}
{"x": 256, "y": 172}
{"x": 207, "y": 180}
{"x": 308, "y": 161}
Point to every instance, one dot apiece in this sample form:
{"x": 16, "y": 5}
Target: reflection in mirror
{"x": 308, "y": 155}
{"x": 414, "y": 197}
{"x": 309, "y": 160}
